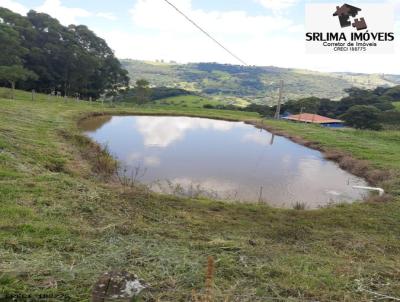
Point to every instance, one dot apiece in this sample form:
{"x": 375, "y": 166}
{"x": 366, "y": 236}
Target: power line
{"x": 206, "y": 33}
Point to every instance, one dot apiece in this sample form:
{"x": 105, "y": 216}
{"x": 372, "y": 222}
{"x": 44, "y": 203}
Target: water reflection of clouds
{"x": 320, "y": 178}
{"x": 136, "y": 158}
{"x": 210, "y": 184}
{"x": 208, "y": 187}
{"x": 260, "y": 137}
{"x": 163, "y": 131}
{"x": 116, "y": 120}
{"x": 152, "y": 161}
{"x": 241, "y": 165}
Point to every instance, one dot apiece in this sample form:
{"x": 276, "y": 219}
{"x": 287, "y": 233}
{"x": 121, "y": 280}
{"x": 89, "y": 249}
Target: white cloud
{"x": 66, "y": 15}
{"x": 108, "y": 16}
{"x": 277, "y": 5}
{"x": 14, "y": 6}
{"x": 156, "y": 14}
{"x": 158, "y": 32}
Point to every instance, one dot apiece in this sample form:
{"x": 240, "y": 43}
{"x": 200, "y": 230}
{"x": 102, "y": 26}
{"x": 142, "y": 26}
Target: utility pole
{"x": 278, "y": 108}
{"x": 301, "y": 113}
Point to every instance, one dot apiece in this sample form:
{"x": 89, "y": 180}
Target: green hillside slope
{"x": 62, "y": 224}
{"x": 255, "y": 84}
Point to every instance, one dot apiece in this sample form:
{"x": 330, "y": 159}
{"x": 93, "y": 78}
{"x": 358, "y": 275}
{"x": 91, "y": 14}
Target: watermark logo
{"x": 352, "y": 29}
{"x": 345, "y": 12}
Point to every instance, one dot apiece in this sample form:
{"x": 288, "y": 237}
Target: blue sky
{"x": 262, "y": 32}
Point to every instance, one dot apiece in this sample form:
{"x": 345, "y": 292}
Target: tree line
{"x": 39, "y": 53}
{"x": 361, "y": 108}
{"x": 141, "y": 93}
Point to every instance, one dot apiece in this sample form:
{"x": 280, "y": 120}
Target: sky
{"x": 260, "y": 32}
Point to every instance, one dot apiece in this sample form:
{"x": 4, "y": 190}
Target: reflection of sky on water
{"x": 163, "y": 131}
{"x": 231, "y": 159}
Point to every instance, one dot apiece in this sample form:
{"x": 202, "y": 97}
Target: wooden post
{"x": 278, "y": 108}
{"x": 33, "y": 95}
{"x": 260, "y": 196}
{"x": 12, "y": 89}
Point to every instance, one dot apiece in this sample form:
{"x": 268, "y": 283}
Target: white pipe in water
{"x": 379, "y": 190}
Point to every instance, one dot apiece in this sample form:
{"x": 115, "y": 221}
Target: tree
{"x": 142, "y": 91}
{"x": 309, "y": 105}
{"x": 15, "y": 73}
{"x": 393, "y": 93}
{"x": 70, "y": 59}
{"x": 11, "y": 49}
{"x": 363, "y": 117}
{"x": 263, "y": 110}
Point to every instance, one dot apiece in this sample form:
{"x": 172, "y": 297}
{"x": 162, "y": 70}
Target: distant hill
{"x": 253, "y": 83}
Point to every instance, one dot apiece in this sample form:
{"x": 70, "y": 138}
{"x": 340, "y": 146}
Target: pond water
{"x": 222, "y": 160}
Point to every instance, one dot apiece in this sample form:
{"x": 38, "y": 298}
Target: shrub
{"x": 390, "y": 117}
{"x": 363, "y": 117}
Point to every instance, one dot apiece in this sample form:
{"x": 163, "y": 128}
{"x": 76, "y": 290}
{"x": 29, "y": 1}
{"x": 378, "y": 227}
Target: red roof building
{"x": 314, "y": 119}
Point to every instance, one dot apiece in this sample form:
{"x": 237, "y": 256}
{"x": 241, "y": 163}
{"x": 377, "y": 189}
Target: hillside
{"x": 62, "y": 224}
{"x": 255, "y": 84}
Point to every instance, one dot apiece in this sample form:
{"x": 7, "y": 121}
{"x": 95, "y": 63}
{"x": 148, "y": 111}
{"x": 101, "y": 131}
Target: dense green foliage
{"x": 380, "y": 103}
{"x": 71, "y": 60}
{"x": 255, "y": 84}
{"x": 142, "y": 91}
{"x": 15, "y": 73}
{"x": 142, "y": 94}
{"x": 363, "y": 117}
{"x": 262, "y": 110}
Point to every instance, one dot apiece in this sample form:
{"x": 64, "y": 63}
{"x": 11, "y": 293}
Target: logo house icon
{"x": 345, "y": 12}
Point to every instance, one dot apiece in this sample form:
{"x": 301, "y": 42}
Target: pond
{"x": 233, "y": 161}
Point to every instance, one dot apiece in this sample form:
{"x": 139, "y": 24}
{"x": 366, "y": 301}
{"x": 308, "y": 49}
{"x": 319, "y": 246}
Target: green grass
{"x": 61, "y": 226}
{"x": 379, "y": 148}
{"x": 397, "y": 105}
{"x": 194, "y": 101}
{"x": 191, "y": 101}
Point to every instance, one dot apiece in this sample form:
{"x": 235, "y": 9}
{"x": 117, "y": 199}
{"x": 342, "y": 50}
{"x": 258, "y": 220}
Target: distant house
{"x": 315, "y": 119}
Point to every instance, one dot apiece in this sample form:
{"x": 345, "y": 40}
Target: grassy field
{"x": 194, "y": 101}
{"x": 62, "y": 223}
{"x": 397, "y": 105}
{"x": 191, "y": 101}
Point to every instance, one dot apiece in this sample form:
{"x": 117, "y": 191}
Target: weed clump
{"x": 101, "y": 161}
{"x": 299, "y": 206}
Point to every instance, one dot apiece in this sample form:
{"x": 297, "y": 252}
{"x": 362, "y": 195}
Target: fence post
{"x": 33, "y": 95}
